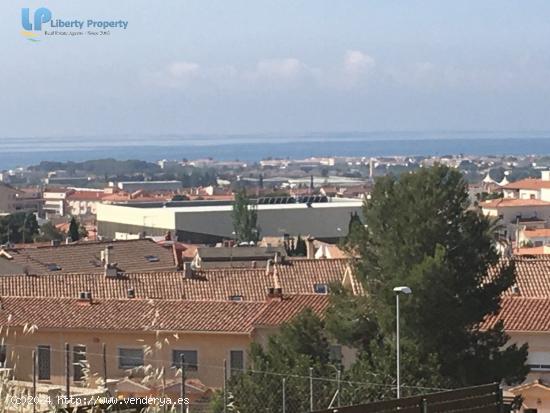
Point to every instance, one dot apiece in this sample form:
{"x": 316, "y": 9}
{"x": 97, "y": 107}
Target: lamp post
{"x": 398, "y": 291}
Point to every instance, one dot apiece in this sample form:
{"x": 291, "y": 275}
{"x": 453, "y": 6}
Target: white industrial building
{"x": 210, "y": 221}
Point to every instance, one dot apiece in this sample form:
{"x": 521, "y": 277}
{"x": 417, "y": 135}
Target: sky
{"x": 279, "y": 66}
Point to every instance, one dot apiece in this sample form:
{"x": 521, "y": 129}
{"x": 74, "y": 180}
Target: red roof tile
{"x": 522, "y": 314}
{"x": 529, "y": 183}
{"x": 512, "y": 202}
{"x": 123, "y": 315}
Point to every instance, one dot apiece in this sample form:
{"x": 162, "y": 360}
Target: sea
{"x": 25, "y": 151}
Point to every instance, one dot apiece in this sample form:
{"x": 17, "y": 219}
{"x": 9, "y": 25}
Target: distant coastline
{"x": 27, "y": 151}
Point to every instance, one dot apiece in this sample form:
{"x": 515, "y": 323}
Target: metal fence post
{"x": 182, "y": 361}
{"x": 339, "y": 386}
{"x": 311, "y": 389}
{"x": 68, "y": 370}
{"x": 284, "y": 395}
{"x": 424, "y": 405}
{"x": 104, "y": 348}
{"x": 224, "y": 386}
{"x": 34, "y": 380}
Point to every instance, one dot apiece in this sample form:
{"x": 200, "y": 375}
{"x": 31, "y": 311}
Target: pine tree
{"x": 421, "y": 233}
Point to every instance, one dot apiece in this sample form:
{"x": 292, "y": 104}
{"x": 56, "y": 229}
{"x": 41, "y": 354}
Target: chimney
{"x": 131, "y": 293}
{"x": 68, "y": 240}
{"x": 310, "y": 248}
{"x": 188, "y": 270}
{"x": 274, "y": 293}
{"x": 54, "y": 243}
{"x": 268, "y": 267}
{"x": 105, "y": 255}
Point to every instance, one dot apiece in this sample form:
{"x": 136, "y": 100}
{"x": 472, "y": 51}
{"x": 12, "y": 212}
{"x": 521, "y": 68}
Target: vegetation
{"x": 245, "y": 217}
{"x": 20, "y": 227}
{"x": 48, "y": 232}
{"x": 421, "y": 234}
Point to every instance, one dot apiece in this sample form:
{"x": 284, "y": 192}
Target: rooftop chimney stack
{"x": 310, "y": 248}
{"x": 110, "y": 267}
{"x": 188, "y": 270}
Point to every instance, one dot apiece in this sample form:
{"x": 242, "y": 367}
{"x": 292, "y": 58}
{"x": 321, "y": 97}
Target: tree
{"x": 48, "y": 232}
{"x": 245, "y": 217}
{"x": 421, "y": 233}
{"x": 300, "y": 345}
{"x": 18, "y": 227}
{"x": 74, "y": 230}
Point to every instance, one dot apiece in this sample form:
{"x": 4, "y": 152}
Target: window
{"x": 44, "y": 362}
{"x": 79, "y": 362}
{"x": 190, "y": 359}
{"x": 236, "y": 361}
{"x": 320, "y": 288}
{"x": 129, "y": 358}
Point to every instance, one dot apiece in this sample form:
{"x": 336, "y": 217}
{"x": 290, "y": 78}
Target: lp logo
{"x": 41, "y": 15}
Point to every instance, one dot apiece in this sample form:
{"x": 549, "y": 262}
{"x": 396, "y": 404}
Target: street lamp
{"x": 398, "y": 291}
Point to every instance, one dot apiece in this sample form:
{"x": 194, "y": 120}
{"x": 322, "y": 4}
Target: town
{"x": 119, "y": 277}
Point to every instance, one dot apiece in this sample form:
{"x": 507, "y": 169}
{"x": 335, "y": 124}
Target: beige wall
{"x": 7, "y": 199}
{"x": 212, "y": 350}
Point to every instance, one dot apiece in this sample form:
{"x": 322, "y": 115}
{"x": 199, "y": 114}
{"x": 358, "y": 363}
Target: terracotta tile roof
{"x": 301, "y": 275}
{"x": 153, "y": 315}
{"x": 85, "y": 195}
{"x": 537, "y": 232}
{"x": 529, "y": 251}
{"x": 532, "y": 276}
{"x": 296, "y": 277}
{"x": 157, "y": 285}
{"x": 522, "y": 314}
{"x": 526, "y": 306}
{"x": 278, "y": 312}
{"x": 131, "y": 314}
{"x": 529, "y": 183}
{"x": 86, "y": 257}
{"x": 512, "y": 202}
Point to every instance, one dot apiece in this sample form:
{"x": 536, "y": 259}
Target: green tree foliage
{"x": 296, "y": 248}
{"x": 245, "y": 217}
{"x": 48, "y": 232}
{"x": 74, "y": 229}
{"x": 18, "y": 227}
{"x": 421, "y": 233}
{"x": 299, "y": 345}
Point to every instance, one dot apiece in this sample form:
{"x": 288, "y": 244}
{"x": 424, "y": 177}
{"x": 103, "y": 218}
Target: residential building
{"x": 128, "y": 320}
{"x": 529, "y": 188}
{"x": 16, "y": 200}
{"x": 515, "y": 214}
{"x": 525, "y": 312}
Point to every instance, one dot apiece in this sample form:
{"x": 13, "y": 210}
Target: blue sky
{"x": 281, "y": 66}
